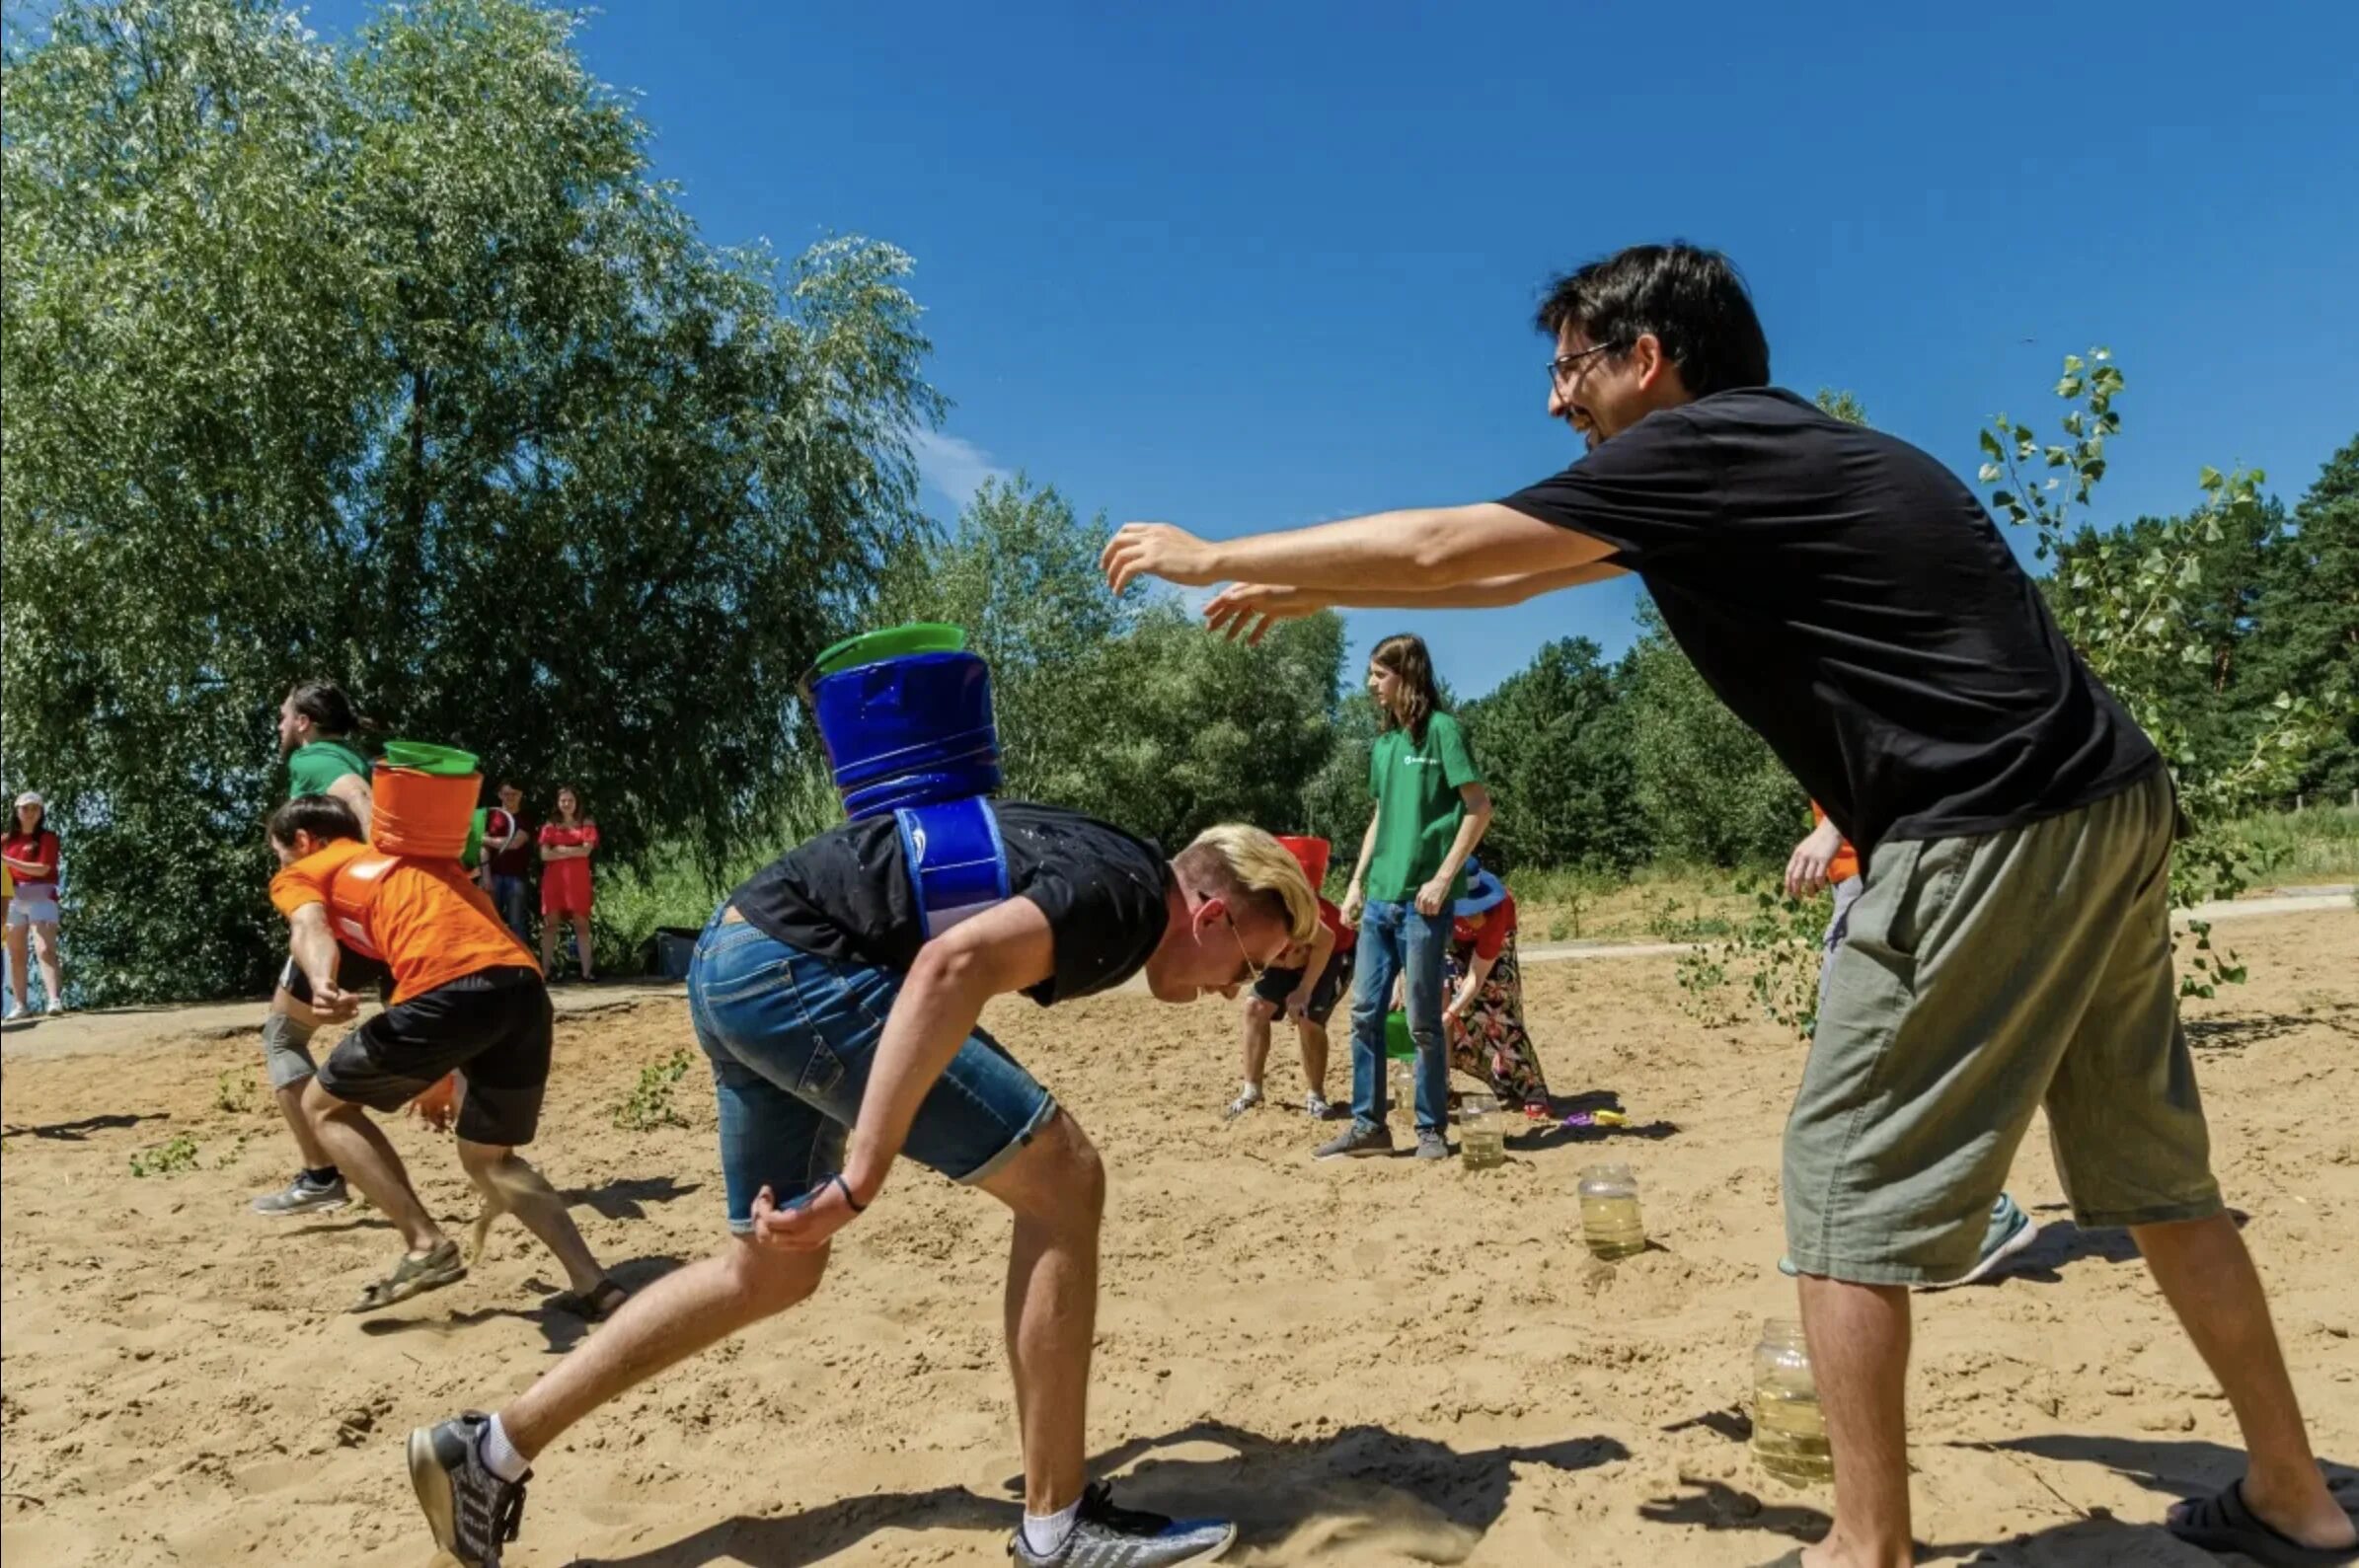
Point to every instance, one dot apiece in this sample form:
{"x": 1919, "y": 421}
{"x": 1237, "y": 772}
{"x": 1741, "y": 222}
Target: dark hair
{"x": 324, "y": 817}
{"x": 325, "y": 703}
{"x": 1691, "y": 299}
{"x": 41, "y": 820}
{"x": 1420, "y": 698}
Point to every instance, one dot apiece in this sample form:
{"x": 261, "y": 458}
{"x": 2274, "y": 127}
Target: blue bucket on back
{"x": 906, "y": 728}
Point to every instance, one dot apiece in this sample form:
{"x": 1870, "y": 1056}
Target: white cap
{"x": 32, "y": 798}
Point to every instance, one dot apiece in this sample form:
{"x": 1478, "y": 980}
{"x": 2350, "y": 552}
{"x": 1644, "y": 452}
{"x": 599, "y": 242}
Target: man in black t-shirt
{"x": 1848, "y": 598}
{"x": 841, "y": 1037}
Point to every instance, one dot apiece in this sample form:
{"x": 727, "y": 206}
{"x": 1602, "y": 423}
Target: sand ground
{"x": 1364, "y": 1361}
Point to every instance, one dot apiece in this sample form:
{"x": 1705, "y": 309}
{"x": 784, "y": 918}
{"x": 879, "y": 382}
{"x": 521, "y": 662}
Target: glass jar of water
{"x": 1482, "y": 1133}
{"x": 1789, "y": 1432}
{"x": 1611, "y": 1223}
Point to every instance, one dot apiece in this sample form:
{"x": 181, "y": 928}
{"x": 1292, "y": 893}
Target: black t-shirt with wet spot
{"x": 846, "y": 895}
{"x": 1852, "y": 601}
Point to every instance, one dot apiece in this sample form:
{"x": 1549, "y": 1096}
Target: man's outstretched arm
{"x": 1420, "y": 549}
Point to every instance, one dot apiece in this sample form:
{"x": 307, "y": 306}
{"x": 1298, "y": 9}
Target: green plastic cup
{"x": 1398, "y": 1043}
{"x": 446, "y": 762}
{"x": 893, "y": 642}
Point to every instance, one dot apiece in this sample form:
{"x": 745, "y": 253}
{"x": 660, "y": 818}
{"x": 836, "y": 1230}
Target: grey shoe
{"x": 1431, "y": 1144}
{"x": 1108, "y": 1536}
{"x": 1360, "y": 1139}
{"x": 300, "y": 1197}
{"x": 472, "y": 1512}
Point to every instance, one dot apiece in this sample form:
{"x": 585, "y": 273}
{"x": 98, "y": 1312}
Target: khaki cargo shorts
{"x": 1981, "y": 978}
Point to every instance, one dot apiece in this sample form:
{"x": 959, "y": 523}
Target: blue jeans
{"x": 791, "y": 1036}
{"x": 512, "y": 899}
{"x": 1395, "y": 941}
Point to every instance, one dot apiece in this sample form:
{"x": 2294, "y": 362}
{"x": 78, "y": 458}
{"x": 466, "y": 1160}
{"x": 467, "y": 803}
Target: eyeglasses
{"x": 1560, "y": 368}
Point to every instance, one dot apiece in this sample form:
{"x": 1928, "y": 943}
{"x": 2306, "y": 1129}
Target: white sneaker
{"x": 1242, "y": 1102}
{"x": 1315, "y": 1107}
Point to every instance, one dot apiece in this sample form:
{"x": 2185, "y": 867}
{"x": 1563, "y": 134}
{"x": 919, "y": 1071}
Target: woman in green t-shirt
{"x": 1431, "y": 810}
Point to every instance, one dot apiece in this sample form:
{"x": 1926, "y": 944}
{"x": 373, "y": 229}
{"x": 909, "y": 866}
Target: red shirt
{"x": 1486, "y": 932}
{"x": 38, "y": 848}
{"x": 1332, "y": 919}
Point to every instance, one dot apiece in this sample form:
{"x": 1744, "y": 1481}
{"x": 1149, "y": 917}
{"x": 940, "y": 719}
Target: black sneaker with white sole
{"x": 472, "y": 1512}
{"x": 1108, "y": 1536}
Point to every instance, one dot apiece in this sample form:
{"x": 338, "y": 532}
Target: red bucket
{"x": 1311, "y": 853}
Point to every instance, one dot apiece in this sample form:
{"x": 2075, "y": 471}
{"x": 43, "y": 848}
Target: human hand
{"x": 334, "y": 1003}
{"x": 1298, "y": 1007}
{"x": 1806, "y": 867}
{"x": 1250, "y": 609}
{"x": 1157, "y": 550}
{"x": 1433, "y": 895}
{"x": 807, "y": 1223}
{"x": 1354, "y": 904}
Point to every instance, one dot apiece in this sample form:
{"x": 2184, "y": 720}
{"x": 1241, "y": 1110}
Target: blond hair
{"x": 1245, "y": 865}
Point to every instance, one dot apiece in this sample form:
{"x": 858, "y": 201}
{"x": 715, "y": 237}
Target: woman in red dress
{"x": 567, "y": 839}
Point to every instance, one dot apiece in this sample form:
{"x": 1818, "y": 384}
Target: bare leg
{"x": 1313, "y": 1055}
{"x": 2207, "y": 1276}
{"x": 52, "y": 978}
{"x": 549, "y": 945}
{"x": 1256, "y": 1049}
{"x": 357, "y": 1147}
{"x": 16, "y": 965}
{"x": 290, "y": 1106}
{"x": 1860, "y": 1357}
{"x": 508, "y": 1184}
{"x": 583, "y": 950}
{"x": 1057, "y": 1188}
{"x": 670, "y": 1321}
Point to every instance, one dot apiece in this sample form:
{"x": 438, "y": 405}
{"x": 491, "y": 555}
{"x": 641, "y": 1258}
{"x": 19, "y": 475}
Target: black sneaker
{"x": 1360, "y": 1139}
{"x": 472, "y": 1512}
{"x": 1107, "y": 1537}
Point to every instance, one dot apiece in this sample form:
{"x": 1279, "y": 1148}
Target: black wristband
{"x": 845, "y": 1187}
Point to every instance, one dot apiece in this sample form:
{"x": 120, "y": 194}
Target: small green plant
{"x": 230, "y": 1156}
{"x": 1774, "y": 951}
{"x": 233, "y": 1092}
{"x": 169, "y": 1158}
{"x": 648, "y": 1104}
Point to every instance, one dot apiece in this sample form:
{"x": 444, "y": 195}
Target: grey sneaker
{"x": 300, "y": 1197}
{"x": 1359, "y": 1140}
{"x": 1431, "y": 1144}
{"x": 2007, "y": 1232}
{"x": 1108, "y": 1536}
{"x": 472, "y": 1512}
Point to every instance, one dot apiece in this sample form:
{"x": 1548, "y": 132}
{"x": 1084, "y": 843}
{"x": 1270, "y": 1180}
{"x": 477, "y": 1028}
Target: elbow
{"x": 1437, "y": 550}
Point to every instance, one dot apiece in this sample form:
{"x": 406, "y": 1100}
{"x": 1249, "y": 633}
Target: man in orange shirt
{"x": 466, "y": 1001}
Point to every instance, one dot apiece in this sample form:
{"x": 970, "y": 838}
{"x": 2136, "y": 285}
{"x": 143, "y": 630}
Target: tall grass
{"x": 2319, "y": 845}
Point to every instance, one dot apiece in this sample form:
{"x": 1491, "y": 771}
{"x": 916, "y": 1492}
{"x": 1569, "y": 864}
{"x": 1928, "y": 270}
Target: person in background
{"x": 508, "y": 870}
{"x": 1431, "y": 810}
{"x": 568, "y": 840}
{"x": 1826, "y": 860}
{"x": 1304, "y": 986}
{"x": 31, "y": 853}
{"x": 1484, "y": 1019}
{"x": 317, "y": 727}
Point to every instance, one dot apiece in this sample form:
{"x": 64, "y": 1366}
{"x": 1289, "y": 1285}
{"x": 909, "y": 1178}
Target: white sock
{"x": 1046, "y": 1532}
{"x": 499, "y": 1455}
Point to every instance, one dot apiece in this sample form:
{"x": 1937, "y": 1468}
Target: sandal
{"x": 2225, "y": 1521}
{"x": 595, "y": 1305}
{"x": 414, "y": 1275}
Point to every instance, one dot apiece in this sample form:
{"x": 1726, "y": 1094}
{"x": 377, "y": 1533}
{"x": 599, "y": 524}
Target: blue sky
{"x": 1253, "y": 266}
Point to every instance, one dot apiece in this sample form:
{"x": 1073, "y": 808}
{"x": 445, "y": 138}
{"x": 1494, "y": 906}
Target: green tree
{"x": 1555, "y": 749}
{"x": 1709, "y": 789}
{"x": 394, "y": 363}
{"x": 2305, "y": 621}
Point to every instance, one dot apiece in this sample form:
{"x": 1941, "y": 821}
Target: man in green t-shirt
{"x": 1431, "y": 810}
{"x": 315, "y": 726}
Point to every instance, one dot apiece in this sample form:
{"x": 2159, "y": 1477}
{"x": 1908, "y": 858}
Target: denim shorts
{"x": 791, "y": 1036}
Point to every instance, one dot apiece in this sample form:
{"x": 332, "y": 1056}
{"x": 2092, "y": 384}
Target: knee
{"x": 770, "y": 1280}
{"x": 320, "y": 1106}
{"x": 1075, "y": 1176}
{"x": 483, "y": 1163}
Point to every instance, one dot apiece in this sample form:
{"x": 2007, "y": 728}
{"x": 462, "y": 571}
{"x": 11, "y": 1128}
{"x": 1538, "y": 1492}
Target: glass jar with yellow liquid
{"x": 1789, "y": 1432}
{"x": 1482, "y": 1133}
{"x": 1611, "y": 1223}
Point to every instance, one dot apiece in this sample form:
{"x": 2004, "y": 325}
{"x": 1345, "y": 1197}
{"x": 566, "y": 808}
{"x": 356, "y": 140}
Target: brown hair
{"x": 324, "y": 817}
{"x": 1419, "y": 699}
{"x": 580, "y": 811}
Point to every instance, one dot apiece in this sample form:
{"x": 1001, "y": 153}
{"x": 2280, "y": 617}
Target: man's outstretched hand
{"x": 1157, "y": 550}
{"x": 1249, "y": 610}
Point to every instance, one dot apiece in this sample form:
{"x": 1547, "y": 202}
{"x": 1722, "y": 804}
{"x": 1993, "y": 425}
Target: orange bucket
{"x": 1311, "y": 853}
{"x": 426, "y": 815}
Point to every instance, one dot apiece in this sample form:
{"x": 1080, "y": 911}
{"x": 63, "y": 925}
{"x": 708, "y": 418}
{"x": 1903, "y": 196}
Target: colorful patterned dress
{"x": 1491, "y": 1042}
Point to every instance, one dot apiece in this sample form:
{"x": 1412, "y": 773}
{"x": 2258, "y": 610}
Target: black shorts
{"x": 492, "y": 1025}
{"x": 354, "y": 972}
{"x": 1277, "y": 985}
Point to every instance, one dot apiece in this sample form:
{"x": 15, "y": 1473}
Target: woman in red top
{"x": 1485, "y": 1021}
{"x": 568, "y": 840}
{"x": 30, "y": 849}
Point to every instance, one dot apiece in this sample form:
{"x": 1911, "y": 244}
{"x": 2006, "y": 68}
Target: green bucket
{"x": 893, "y": 642}
{"x": 1398, "y": 1043}
{"x": 446, "y": 762}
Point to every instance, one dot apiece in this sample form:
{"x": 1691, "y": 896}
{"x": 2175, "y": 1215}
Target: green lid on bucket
{"x": 893, "y": 642}
{"x": 447, "y": 762}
